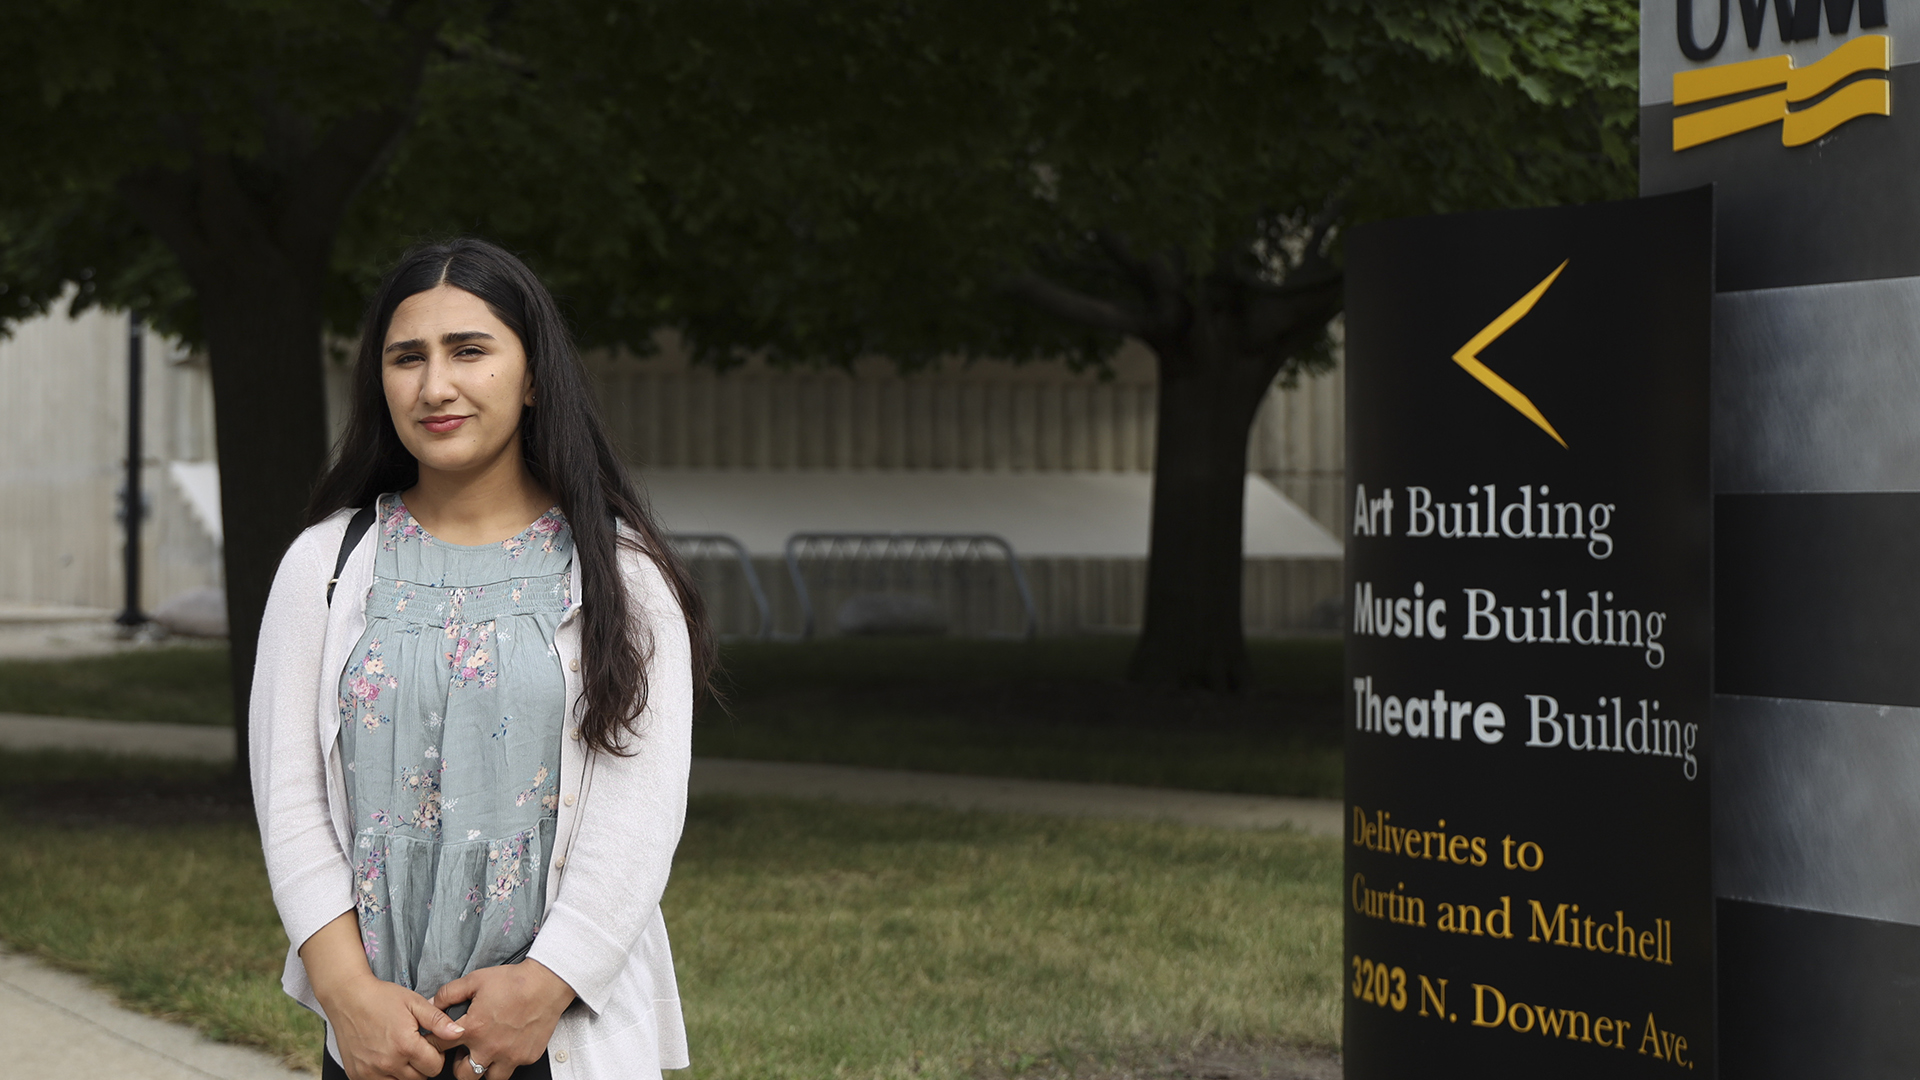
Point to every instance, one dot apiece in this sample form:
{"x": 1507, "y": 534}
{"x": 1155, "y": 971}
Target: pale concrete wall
{"x": 62, "y": 461}
{"x": 665, "y": 412}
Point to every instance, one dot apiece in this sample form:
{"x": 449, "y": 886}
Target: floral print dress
{"x": 450, "y": 725}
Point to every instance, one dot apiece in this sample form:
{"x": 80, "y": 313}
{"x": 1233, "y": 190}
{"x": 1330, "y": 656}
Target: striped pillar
{"x": 1813, "y": 143}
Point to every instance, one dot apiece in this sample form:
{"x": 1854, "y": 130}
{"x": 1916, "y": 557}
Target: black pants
{"x": 539, "y": 1070}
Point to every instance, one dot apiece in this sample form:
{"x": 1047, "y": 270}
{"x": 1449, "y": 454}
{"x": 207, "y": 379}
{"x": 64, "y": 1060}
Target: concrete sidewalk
{"x": 54, "y": 1024}
{"x": 199, "y": 742}
{"x": 59, "y": 632}
{"x": 846, "y": 783}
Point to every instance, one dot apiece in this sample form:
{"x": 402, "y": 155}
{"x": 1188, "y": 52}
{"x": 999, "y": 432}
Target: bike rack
{"x": 693, "y": 546}
{"x": 949, "y": 548}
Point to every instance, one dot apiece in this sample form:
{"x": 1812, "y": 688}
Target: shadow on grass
{"x": 78, "y": 789}
{"x": 1054, "y": 709}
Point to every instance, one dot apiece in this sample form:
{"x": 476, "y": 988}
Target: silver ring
{"x": 478, "y": 1069}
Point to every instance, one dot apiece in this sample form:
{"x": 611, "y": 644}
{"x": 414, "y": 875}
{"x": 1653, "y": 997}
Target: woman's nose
{"x": 436, "y": 380}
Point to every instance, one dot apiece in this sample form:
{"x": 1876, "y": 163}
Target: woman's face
{"x": 456, "y": 379}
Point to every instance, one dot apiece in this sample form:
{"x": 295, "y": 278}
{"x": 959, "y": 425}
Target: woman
{"x": 470, "y": 722}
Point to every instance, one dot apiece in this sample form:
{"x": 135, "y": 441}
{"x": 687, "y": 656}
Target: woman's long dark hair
{"x": 566, "y": 449}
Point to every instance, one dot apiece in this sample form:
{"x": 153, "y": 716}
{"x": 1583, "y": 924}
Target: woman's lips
{"x": 440, "y": 425}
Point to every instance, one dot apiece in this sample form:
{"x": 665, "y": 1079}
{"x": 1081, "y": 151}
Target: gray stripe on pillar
{"x": 1816, "y": 388}
{"x": 1816, "y": 804}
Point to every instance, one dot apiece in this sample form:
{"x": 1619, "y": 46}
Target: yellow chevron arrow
{"x": 1468, "y": 355}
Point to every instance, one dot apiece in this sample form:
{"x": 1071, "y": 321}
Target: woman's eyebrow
{"x": 452, "y": 338}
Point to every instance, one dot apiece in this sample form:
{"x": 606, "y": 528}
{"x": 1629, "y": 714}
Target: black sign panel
{"x": 1528, "y": 887}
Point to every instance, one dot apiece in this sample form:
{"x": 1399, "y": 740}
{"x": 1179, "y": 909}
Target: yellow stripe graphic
{"x": 1871, "y": 52}
{"x": 1468, "y": 355}
{"x": 1705, "y": 84}
{"x": 1861, "y": 54}
{"x": 1709, "y": 124}
{"x": 1868, "y": 97}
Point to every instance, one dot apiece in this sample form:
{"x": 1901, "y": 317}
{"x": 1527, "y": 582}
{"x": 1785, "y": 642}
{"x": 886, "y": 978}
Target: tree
{"x": 1017, "y": 178}
{"x": 194, "y": 165}
{"x": 808, "y": 182}
{"x": 1267, "y": 129}
{"x": 205, "y": 166}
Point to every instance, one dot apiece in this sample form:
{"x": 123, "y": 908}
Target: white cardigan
{"x": 602, "y": 931}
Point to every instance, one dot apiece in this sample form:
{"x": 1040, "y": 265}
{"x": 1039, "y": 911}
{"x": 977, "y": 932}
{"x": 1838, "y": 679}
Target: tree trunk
{"x": 1219, "y": 344}
{"x": 259, "y": 287}
{"x": 263, "y": 341}
{"x": 255, "y": 239}
{"x": 1193, "y": 635}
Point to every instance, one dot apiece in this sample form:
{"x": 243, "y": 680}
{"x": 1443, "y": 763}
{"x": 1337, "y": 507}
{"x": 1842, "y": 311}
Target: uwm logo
{"x": 1807, "y": 102}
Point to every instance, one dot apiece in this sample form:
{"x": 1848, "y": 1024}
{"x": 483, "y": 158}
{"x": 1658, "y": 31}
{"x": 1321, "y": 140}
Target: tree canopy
{"x": 665, "y": 161}
{"x": 879, "y": 192}
{"x": 811, "y": 183}
{"x": 1040, "y": 179}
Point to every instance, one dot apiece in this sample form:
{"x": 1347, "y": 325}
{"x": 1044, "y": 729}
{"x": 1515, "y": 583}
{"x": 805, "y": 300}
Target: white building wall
{"x": 664, "y": 412}
{"x": 63, "y": 457}
{"x": 667, "y": 413}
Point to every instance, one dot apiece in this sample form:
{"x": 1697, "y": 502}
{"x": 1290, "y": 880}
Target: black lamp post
{"x": 130, "y": 499}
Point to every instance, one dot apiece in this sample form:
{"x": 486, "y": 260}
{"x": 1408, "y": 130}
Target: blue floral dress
{"x": 451, "y": 711}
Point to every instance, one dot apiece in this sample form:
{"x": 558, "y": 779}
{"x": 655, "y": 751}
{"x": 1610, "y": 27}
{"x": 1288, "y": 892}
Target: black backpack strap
{"x": 357, "y": 527}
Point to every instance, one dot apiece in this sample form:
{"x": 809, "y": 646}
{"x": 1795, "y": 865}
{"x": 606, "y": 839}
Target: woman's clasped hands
{"x": 380, "y": 1027}
{"x": 512, "y": 1011}
{"x": 388, "y": 1032}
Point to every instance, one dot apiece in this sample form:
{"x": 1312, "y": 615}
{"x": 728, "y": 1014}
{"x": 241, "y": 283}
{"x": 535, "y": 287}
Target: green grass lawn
{"x": 1056, "y": 708}
{"x": 812, "y": 939}
{"x": 176, "y": 684}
